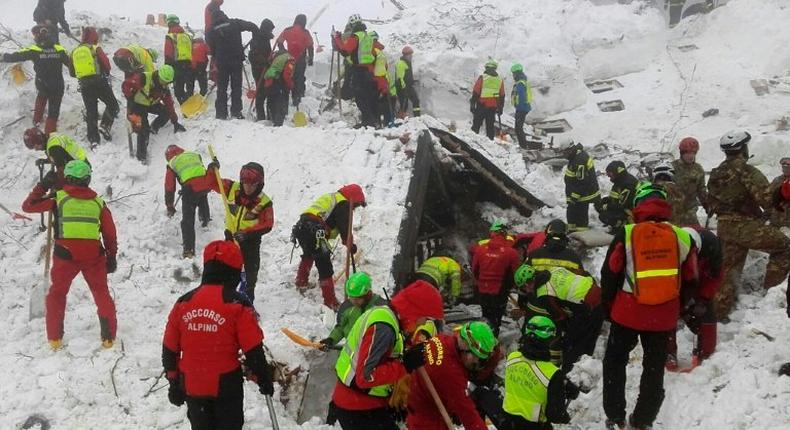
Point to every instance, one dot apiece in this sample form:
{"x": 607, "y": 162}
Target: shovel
{"x": 196, "y": 104}
{"x": 18, "y": 76}
{"x": 299, "y": 119}
{"x": 299, "y": 340}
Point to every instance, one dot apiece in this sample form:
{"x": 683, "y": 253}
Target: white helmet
{"x": 354, "y": 18}
{"x": 664, "y": 168}
{"x": 563, "y": 143}
{"x": 695, "y": 236}
{"x": 734, "y": 140}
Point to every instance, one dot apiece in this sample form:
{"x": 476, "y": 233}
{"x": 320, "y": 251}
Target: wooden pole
{"x": 436, "y": 399}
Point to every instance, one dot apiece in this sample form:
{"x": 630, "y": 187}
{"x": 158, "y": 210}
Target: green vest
{"x": 78, "y": 218}
{"x": 239, "y": 217}
{"x": 275, "y": 70}
{"x": 183, "y": 46}
{"x": 346, "y": 365}
{"x": 400, "y": 72}
{"x": 684, "y": 246}
{"x": 491, "y": 86}
{"x": 445, "y": 271}
{"x": 143, "y": 58}
{"x": 527, "y": 90}
{"x": 566, "y": 285}
{"x": 527, "y": 387}
{"x": 187, "y": 165}
{"x": 323, "y": 207}
{"x": 365, "y": 48}
{"x": 142, "y": 97}
{"x": 83, "y": 59}
{"x": 68, "y": 144}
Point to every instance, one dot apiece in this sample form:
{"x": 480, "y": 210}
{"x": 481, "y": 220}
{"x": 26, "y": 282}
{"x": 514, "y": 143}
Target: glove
{"x": 571, "y": 390}
{"x": 171, "y": 211}
{"x": 112, "y": 264}
{"x": 326, "y": 343}
{"x": 228, "y": 235}
{"x": 400, "y": 393}
{"x": 49, "y": 180}
{"x": 310, "y": 62}
{"x": 353, "y": 248}
{"x": 239, "y": 236}
{"x": 136, "y": 121}
{"x": 699, "y": 309}
{"x": 472, "y": 107}
{"x": 213, "y": 165}
{"x": 414, "y": 357}
{"x": 265, "y": 385}
{"x": 178, "y": 127}
{"x": 176, "y": 394}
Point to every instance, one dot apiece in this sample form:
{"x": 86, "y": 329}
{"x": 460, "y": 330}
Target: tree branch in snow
{"x": 6, "y": 35}
{"x": 114, "y": 366}
{"x": 153, "y": 388}
{"x": 117, "y": 199}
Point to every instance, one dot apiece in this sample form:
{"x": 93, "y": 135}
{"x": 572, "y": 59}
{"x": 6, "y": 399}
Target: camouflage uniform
{"x": 675, "y": 199}
{"x": 690, "y": 180}
{"x": 737, "y": 193}
{"x": 779, "y": 218}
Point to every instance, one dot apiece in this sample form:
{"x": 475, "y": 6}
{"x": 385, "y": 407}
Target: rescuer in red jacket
{"x": 299, "y": 43}
{"x": 205, "y": 331}
{"x": 80, "y": 218}
{"x": 449, "y": 358}
{"x": 493, "y": 266}
{"x": 187, "y": 169}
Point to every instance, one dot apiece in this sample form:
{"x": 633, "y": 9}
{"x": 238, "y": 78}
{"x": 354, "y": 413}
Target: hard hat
{"x": 226, "y": 252}
{"x": 498, "y": 226}
{"x": 647, "y": 189}
{"x": 358, "y": 285}
{"x": 407, "y": 50}
{"x": 688, "y": 144}
{"x": 479, "y": 337}
{"x": 353, "y": 193}
{"x": 77, "y": 169}
{"x": 564, "y": 143}
{"x": 617, "y": 167}
{"x": 172, "y": 151}
{"x": 33, "y": 138}
{"x": 734, "y": 140}
{"x": 355, "y": 18}
{"x": 516, "y": 67}
{"x": 523, "y": 274}
{"x": 252, "y": 173}
{"x": 664, "y": 169}
{"x": 541, "y": 328}
{"x": 172, "y": 19}
{"x": 556, "y": 228}
{"x": 166, "y": 74}
{"x": 491, "y": 64}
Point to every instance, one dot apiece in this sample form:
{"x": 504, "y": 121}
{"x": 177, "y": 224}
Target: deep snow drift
{"x": 562, "y": 44}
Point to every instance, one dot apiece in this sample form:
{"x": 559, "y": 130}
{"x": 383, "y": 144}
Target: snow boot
{"x": 633, "y": 426}
{"x": 706, "y": 340}
{"x": 328, "y": 293}
{"x": 672, "y": 363}
{"x": 614, "y": 425}
{"x": 303, "y": 273}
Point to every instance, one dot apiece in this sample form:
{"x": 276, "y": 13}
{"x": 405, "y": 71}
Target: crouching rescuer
{"x": 205, "y": 331}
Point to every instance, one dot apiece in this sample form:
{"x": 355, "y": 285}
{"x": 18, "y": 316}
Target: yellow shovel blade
{"x": 300, "y": 119}
{"x": 194, "y": 105}
{"x": 18, "y": 75}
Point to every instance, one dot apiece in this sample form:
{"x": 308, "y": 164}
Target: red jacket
{"x": 205, "y": 331}
{"x": 287, "y": 76}
{"x": 494, "y": 264}
{"x": 135, "y": 83}
{"x": 104, "y": 62}
{"x": 265, "y": 217}
{"x": 80, "y": 249}
{"x": 199, "y": 53}
{"x": 170, "y": 48}
{"x": 489, "y": 102}
{"x": 297, "y": 39}
{"x": 349, "y": 47}
{"x": 201, "y": 183}
{"x": 450, "y": 378}
{"x": 710, "y": 264}
{"x": 624, "y": 309}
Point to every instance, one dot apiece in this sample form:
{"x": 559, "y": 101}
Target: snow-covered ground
{"x": 562, "y": 44}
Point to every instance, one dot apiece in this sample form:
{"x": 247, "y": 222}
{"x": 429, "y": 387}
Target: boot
{"x": 50, "y": 125}
{"x": 706, "y": 340}
{"x": 328, "y": 292}
{"x": 672, "y": 363}
{"x": 303, "y": 273}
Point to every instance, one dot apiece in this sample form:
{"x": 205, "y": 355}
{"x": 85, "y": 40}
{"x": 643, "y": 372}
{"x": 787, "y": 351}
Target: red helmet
{"x": 407, "y": 50}
{"x": 90, "y": 36}
{"x": 224, "y": 251}
{"x": 353, "y": 193}
{"x": 689, "y": 144}
{"x": 252, "y": 174}
{"x": 34, "y": 138}
{"x": 172, "y": 151}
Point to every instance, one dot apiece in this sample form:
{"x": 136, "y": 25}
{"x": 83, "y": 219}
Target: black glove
{"x": 228, "y": 235}
{"x": 571, "y": 390}
{"x": 112, "y": 264}
{"x": 239, "y": 236}
{"x": 213, "y": 165}
{"x": 176, "y": 394}
{"x": 326, "y": 343}
{"x": 171, "y": 211}
{"x": 414, "y": 357}
{"x": 472, "y": 107}
{"x": 353, "y": 248}
{"x": 265, "y": 384}
{"x": 49, "y": 180}
{"x": 178, "y": 127}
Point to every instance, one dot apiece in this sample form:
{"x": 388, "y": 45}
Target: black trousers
{"x": 493, "y": 307}
{"x": 181, "y": 81}
{"x": 405, "y": 95}
{"x": 488, "y": 115}
{"x": 200, "y": 75}
{"x": 305, "y": 232}
{"x": 144, "y": 134}
{"x": 228, "y": 75}
{"x": 522, "y": 138}
{"x": 580, "y": 336}
{"x": 190, "y": 201}
{"x": 277, "y": 102}
{"x": 578, "y": 215}
{"x": 299, "y": 80}
{"x": 366, "y": 96}
{"x": 260, "y": 94}
{"x": 374, "y": 419}
{"x": 93, "y": 90}
{"x": 226, "y": 411}
{"x": 651, "y": 387}
{"x": 386, "y": 108}
{"x": 251, "y": 253}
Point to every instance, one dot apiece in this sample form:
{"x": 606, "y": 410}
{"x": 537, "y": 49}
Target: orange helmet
{"x": 34, "y": 138}
{"x": 353, "y": 193}
{"x": 407, "y": 50}
{"x": 172, "y": 151}
{"x": 688, "y": 144}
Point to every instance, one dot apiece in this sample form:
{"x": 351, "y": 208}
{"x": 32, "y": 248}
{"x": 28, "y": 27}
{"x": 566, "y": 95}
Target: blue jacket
{"x": 521, "y": 96}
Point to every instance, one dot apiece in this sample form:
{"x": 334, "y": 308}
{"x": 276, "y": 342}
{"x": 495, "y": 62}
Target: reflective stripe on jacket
{"x": 68, "y": 144}
{"x": 239, "y": 217}
{"x": 527, "y": 387}
{"x": 187, "y": 165}
{"x": 78, "y": 218}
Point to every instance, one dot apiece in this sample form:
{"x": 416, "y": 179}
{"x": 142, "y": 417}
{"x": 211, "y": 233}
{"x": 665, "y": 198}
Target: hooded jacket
{"x": 224, "y": 39}
{"x": 494, "y": 264}
{"x": 298, "y": 39}
{"x": 261, "y": 48}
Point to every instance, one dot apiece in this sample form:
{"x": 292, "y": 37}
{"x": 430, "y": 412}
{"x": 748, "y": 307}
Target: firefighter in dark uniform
{"x": 581, "y": 183}
{"x": 555, "y": 251}
{"x": 615, "y": 209}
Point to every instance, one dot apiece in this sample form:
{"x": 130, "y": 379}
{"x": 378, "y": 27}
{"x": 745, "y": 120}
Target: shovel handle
{"x": 436, "y": 399}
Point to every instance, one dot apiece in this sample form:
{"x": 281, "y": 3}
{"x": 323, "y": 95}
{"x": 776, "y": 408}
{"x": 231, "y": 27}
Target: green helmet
{"x": 166, "y": 74}
{"x": 523, "y": 274}
{"x": 77, "y": 169}
{"x": 646, "y": 189}
{"x": 540, "y": 327}
{"x": 172, "y": 19}
{"x": 480, "y": 338}
{"x": 498, "y": 226}
{"x": 491, "y": 64}
{"x": 516, "y": 67}
{"x": 358, "y": 285}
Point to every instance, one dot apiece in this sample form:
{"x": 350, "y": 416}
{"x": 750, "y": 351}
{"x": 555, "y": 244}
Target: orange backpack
{"x": 656, "y": 261}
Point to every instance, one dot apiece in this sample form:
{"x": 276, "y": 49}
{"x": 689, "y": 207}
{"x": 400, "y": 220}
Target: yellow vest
{"x": 527, "y": 387}
{"x": 491, "y": 87}
{"x": 68, "y": 144}
{"x": 83, "y": 58}
{"x": 78, "y": 218}
{"x": 183, "y": 46}
{"x": 322, "y": 208}
{"x": 239, "y": 217}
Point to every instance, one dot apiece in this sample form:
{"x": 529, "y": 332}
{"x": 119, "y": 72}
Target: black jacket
{"x": 53, "y": 11}
{"x": 555, "y": 253}
{"x": 581, "y": 181}
{"x": 224, "y": 39}
{"x": 48, "y": 62}
{"x": 614, "y": 211}
{"x": 261, "y": 48}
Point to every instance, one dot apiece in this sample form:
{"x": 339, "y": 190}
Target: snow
{"x": 562, "y": 44}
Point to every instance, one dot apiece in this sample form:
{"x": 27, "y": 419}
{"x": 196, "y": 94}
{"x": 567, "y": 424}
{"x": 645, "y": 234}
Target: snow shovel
{"x": 299, "y": 119}
{"x": 196, "y": 104}
{"x": 37, "y": 309}
{"x": 299, "y": 340}
{"x": 436, "y": 399}
{"x": 272, "y": 416}
{"x": 18, "y": 75}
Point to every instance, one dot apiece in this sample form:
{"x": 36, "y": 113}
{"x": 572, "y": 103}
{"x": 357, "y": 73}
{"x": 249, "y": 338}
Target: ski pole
{"x": 272, "y": 416}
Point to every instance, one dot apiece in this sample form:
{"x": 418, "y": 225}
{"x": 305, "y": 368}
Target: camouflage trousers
{"x": 738, "y": 237}
{"x": 685, "y": 218}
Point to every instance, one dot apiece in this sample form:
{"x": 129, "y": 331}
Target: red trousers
{"x": 95, "y": 273}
